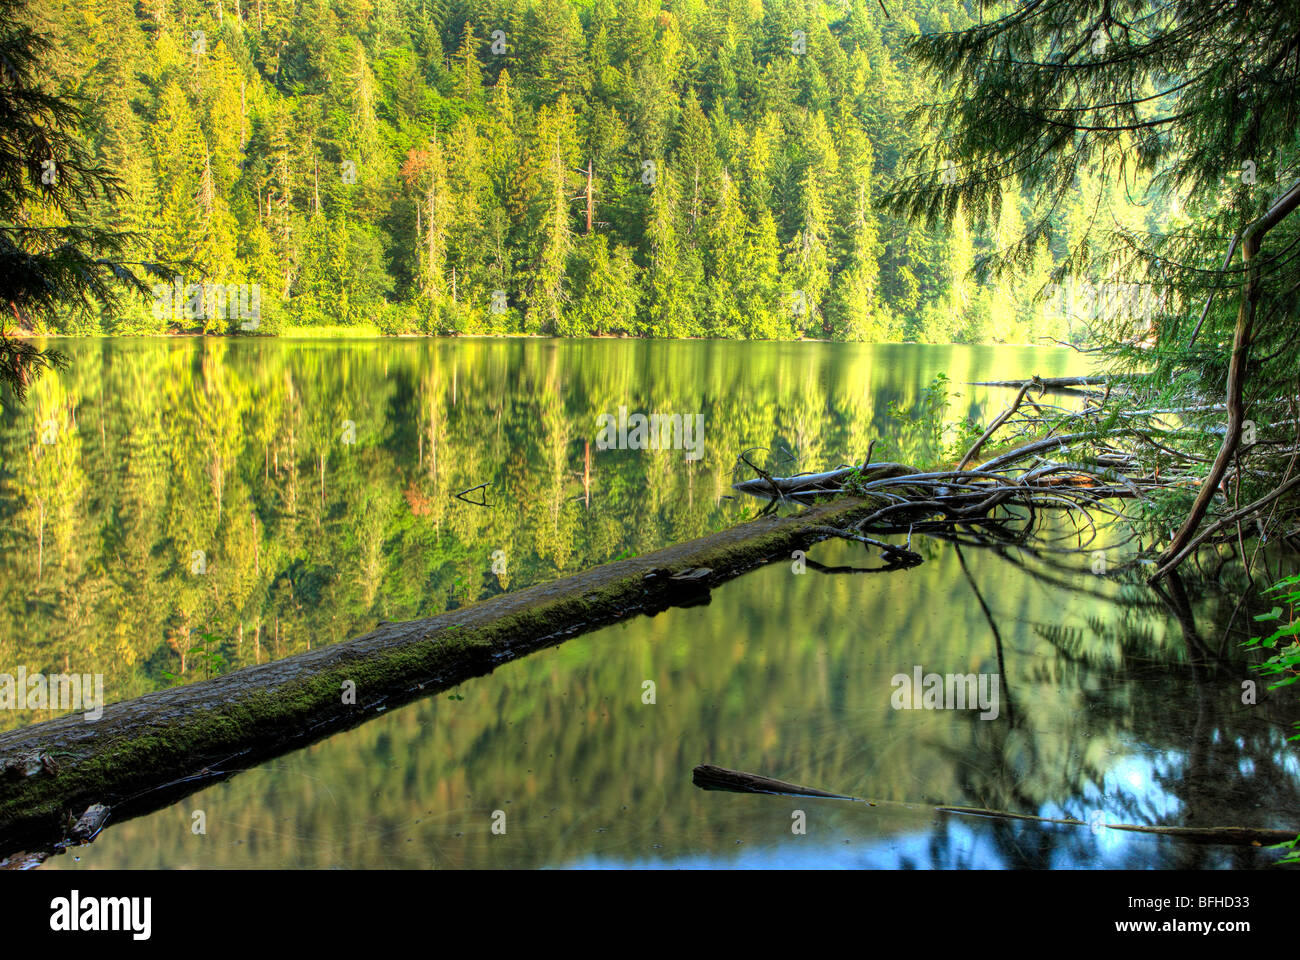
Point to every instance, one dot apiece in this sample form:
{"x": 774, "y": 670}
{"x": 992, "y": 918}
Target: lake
{"x": 174, "y": 509}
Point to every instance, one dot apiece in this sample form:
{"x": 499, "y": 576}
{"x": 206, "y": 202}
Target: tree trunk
{"x": 1252, "y": 237}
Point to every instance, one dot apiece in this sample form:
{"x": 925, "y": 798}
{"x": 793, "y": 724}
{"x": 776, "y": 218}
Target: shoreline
{"x": 303, "y": 333}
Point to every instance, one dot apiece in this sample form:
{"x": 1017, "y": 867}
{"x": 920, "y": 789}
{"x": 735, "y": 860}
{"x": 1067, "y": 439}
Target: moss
{"x": 134, "y": 756}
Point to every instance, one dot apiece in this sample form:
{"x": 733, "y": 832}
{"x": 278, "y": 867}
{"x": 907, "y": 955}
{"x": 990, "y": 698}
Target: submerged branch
{"x": 710, "y": 777}
{"x": 1080, "y": 462}
{"x": 1018, "y": 478}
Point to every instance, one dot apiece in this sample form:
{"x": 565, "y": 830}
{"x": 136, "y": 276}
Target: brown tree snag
{"x": 1251, "y": 238}
{"x": 708, "y": 777}
{"x": 993, "y": 427}
{"x": 1236, "y": 836}
{"x": 1235, "y": 517}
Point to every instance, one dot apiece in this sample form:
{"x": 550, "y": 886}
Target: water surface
{"x": 1117, "y": 704}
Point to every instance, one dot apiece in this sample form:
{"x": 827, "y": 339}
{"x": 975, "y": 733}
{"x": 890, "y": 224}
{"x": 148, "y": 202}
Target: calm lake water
{"x": 175, "y": 509}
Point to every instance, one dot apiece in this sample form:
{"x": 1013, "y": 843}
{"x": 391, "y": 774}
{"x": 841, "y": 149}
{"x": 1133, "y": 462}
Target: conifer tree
{"x": 50, "y": 260}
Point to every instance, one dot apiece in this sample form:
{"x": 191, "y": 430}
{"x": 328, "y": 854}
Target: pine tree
{"x": 807, "y": 261}
{"x": 180, "y": 157}
{"x": 854, "y": 309}
{"x": 48, "y": 260}
{"x": 668, "y": 307}
{"x": 1047, "y": 92}
{"x": 469, "y": 75}
{"x": 554, "y": 186}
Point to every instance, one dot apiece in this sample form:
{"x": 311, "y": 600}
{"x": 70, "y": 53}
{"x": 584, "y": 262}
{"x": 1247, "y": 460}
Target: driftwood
{"x": 1083, "y": 463}
{"x": 1082, "y": 480}
{"x": 1239, "y": 836}
{"x": 1045, "y": 383}
{"x": 91, "y": 822}
{"x": 993, "y": 427}
{"x": 1079, "y": 471}
{"x": 813, "y": 484}
{"x": 710, "y": 777}
{"x": 482, "y": 502}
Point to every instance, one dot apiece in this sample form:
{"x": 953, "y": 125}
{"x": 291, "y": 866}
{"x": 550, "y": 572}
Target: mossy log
{"x": 152, "y": 750}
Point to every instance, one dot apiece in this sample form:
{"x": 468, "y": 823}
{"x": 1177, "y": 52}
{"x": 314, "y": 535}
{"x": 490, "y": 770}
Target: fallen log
{"x": 1047, "y": 383}
{"x": 1237, "y": 836}
{"x": 152, "y": 750}
{"x": 710, "y": 777}
{"x": 827, "y": 481}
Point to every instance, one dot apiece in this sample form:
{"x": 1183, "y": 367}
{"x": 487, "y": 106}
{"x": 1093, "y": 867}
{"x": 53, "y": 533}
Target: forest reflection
{"x": 1110, "y": 716}
{"x": 174, "y": 508}
{"x": 318, "y": 481}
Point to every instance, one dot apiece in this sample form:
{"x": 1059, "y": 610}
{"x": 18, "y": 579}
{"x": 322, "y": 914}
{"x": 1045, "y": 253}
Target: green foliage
{"x": 1285, "y": 662}
{"x": 397, "y": 170}
{"x": 52, "y": 260}
{"x": 1064, "y": 114}
{"x": 921, "y": 433}
{"x": 206, "y": 655}
{"x": 921, "y": 426}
